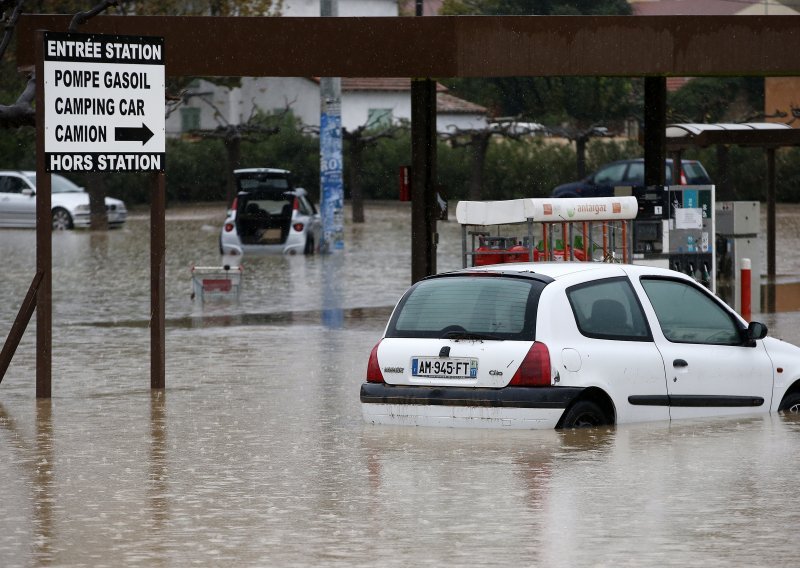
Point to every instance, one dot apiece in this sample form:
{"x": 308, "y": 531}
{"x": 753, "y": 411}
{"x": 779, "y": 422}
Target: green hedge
{"x": 197, "y": 171}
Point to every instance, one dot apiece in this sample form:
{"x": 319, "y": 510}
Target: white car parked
{"x": 269, "y": 216}
{"x": 69, "y": 203}
{"x": 570, "y": 344}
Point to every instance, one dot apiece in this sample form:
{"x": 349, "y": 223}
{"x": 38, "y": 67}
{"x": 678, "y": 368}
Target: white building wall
{"x": 347, "y": 8}
{"x": 214, "y": 104}
{"x": 357, "y": 104}
{"x": 274, "y": 94}
{"x": 235, "y": 106}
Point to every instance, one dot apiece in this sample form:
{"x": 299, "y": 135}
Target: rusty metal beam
{"x": 158, "y": 238}
{"x": 44, "y": 245}
{"x": 655, "y": 122}
{"x": 771, "y": 233}
{"x": 423, "y": 178}
{"x": 456, "y": 46}
{"x": 19, "y": 325}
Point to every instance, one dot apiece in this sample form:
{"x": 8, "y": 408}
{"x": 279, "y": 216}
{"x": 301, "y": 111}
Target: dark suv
{"x": 628, "y": 172}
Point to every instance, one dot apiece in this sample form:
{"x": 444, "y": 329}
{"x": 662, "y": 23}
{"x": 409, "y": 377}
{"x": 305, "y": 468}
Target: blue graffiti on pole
{"x": 330, "y": 140}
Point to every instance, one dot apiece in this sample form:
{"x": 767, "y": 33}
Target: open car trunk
{"x": 264, "y": 211}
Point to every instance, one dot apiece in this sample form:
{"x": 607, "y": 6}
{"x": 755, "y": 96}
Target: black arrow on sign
{"x": 128, "y": 134}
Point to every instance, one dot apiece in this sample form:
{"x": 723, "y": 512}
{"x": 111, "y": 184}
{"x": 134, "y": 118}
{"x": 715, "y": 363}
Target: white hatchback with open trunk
{"x": 269, "y": 216}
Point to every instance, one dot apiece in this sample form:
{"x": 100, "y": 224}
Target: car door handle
{"x": 680, "y": 363}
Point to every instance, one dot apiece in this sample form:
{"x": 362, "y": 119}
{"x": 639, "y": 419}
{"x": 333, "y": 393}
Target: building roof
{"x": 381, "y": 84}
{"x": 708, "y": 7}
{"x": 447, "y": 103}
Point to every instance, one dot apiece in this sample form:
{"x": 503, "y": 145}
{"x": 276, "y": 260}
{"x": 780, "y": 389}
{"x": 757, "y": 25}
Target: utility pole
{"x": 330, "y": 147}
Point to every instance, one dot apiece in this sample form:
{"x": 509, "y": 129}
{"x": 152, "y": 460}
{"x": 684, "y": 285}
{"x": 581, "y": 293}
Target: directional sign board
{"x": 104, "y": 103}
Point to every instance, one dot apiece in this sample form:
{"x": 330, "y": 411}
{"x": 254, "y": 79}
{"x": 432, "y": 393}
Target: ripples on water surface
{"x": 255, "y": 455}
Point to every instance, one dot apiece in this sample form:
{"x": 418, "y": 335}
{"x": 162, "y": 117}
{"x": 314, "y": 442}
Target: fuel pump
{"x": 675, "y": 229}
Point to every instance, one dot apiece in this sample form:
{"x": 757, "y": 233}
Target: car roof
{"x": 592, "y": 270}
{"x": 260, "y": 171}
{"x": 26, "y": 173}
{"x": 641, "y": 160}
{"x": 296, "y": 191}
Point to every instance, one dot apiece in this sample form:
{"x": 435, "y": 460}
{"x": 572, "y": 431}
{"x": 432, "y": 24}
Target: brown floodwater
{"x": 256, "y": 455}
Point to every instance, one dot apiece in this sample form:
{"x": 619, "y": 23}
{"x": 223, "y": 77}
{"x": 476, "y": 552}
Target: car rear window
{"x": 273, "y": 203}
{"x": 502, "y": 307}
{"x": 256, "y": 181}
{"x": 695, "y": 173}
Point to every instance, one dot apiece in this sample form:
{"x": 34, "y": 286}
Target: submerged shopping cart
{"x": 216, "y": 282}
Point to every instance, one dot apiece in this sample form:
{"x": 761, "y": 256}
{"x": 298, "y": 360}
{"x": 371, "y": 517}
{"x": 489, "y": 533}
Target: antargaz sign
{"x": 104, "y": 103}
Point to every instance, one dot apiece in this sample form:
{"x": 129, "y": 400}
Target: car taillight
{"x": 228, "y": 227}
{"x": 235, "y": 203}
{"x": 374, "y": 374}
{"x": 296, "y": 204}
{"x": 535, "y": 368}
{"x": 298, "y": 227}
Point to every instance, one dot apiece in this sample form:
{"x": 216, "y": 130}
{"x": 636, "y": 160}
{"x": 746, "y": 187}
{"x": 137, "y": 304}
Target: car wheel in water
{"x": 584, "y": 414}
{"x": 62, "y": 220}
{"x": 791, "y": 404}
{"x": 309, "y": 249}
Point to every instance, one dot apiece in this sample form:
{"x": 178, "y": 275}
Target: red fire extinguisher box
{"x": 405, "y": 183}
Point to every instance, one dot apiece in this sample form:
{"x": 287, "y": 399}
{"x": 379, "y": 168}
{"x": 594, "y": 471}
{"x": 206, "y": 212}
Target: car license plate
{"x": 444, "y": 367}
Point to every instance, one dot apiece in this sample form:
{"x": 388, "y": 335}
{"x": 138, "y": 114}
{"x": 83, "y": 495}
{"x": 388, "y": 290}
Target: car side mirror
{"x": 28, "y": 191}
{"x": 756, "y": 330}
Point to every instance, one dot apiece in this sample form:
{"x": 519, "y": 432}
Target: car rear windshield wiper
{"x": 469, "y": 335}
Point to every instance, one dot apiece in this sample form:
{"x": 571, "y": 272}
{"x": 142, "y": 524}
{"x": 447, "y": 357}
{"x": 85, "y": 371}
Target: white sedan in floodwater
{"x": 571, "y": 344}
{"x": 69, "y": 203}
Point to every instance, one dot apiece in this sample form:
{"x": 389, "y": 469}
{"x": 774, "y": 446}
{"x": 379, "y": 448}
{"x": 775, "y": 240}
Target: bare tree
{"x": 477, "y": 141}
{"x": 232, "y": 135}
{"x": 581, "y": 137}
{"x": 359, "y": 140}
{"x": 98, "y": 216}
{"x": 21, "y": 113}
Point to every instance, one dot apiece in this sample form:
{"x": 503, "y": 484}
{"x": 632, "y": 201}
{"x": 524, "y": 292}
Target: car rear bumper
{"x": 231, "y": 244}
{"x": 509, "y": 407}
{"x": 84, "y": 220}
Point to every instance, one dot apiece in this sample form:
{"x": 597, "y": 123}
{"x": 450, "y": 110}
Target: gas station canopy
{"x": 761, "y": 134}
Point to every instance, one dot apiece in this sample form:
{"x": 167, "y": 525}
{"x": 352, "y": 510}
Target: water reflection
{"x": 332, "y": 290}
{"x": 44, "y": 496}
{"x": 256, "y": 454}
{"x": 158, "y": 478}
{"x": 35, "y": 461}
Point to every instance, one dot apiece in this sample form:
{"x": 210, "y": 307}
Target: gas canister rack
{"x": 546, "y": 219}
